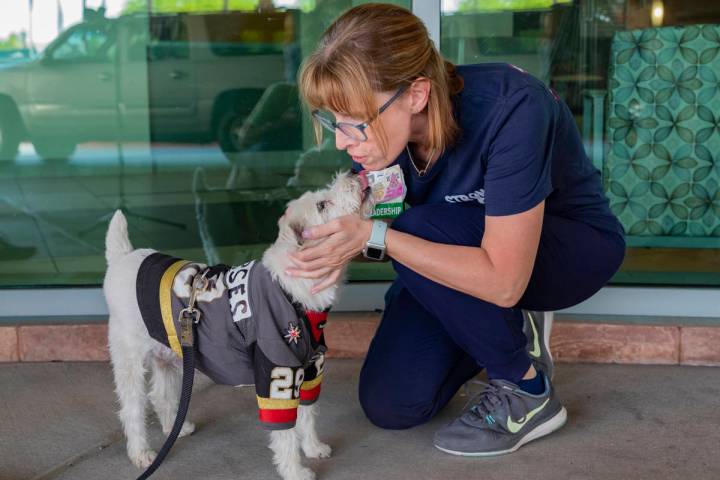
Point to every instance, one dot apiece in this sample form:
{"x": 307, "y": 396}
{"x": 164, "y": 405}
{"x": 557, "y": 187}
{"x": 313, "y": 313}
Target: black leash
{"x": 188, "y": 319}
{"x": 187, "y": 384}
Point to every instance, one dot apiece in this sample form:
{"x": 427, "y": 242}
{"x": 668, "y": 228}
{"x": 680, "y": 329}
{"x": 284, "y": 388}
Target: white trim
{"x": 361, "y": 297}
{"x": 652, "y": 301}
{"x": 368, "y": 296}
{"x": 623, "y": 301}
{"x": 429, "y": 12}
{"x": 52, "y": 302}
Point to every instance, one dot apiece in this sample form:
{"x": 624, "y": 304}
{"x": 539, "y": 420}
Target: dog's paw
{"x": 187, "y": 429}
{"x": 317, "y": 450}
{"x": 143, "y": 458}
{"x": 302, "y": 473}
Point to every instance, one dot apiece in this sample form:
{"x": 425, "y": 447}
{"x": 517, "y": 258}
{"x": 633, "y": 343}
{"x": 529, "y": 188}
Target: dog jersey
{"x": 250, "y": 331}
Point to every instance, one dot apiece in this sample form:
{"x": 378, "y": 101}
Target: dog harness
{"x": 250, "y": 332}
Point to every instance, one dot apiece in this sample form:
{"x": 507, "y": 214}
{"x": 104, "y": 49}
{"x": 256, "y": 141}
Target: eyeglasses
{"x": 355, "y": 132}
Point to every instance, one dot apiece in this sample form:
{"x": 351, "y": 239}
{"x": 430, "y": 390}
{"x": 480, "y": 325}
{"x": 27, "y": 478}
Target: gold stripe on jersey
{"x": 277, "y": 403}
{"x": 166, "y": 284}
{"x": 310, "y": 384}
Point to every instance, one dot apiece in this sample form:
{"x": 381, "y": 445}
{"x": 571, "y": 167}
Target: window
{"x": 89, "y": 43}
{"x": 641, "y": 78}
{"x": 168, "y": 38}
{"x": 198, "y": 135}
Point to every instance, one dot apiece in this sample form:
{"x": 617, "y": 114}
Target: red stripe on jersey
{"x": 311, "y": 394}
{"x": 277, "y": 416}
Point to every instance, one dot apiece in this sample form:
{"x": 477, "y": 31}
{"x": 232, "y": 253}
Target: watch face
{"x": 374, "y": 253}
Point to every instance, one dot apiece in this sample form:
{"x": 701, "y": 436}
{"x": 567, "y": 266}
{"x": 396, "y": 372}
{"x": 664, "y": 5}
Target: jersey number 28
{"x": 282, "y": 385}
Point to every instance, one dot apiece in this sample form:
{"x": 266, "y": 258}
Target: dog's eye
{"x": 321, "y": 205}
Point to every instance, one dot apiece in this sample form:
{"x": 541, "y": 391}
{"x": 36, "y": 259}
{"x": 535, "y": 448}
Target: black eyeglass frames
{"x": 354, "y": 131}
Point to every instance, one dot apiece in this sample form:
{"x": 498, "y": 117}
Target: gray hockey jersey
{"x": 250, "y": 331}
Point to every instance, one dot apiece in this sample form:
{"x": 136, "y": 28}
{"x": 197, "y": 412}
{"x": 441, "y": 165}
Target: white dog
{"x": 291, "y": 354}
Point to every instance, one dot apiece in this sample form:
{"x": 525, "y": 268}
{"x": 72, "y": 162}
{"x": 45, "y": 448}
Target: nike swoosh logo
{"x": 514, "y": 427}
{"x": 535, "y": 352}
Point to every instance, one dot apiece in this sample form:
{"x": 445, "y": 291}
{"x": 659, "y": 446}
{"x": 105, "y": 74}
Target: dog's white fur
{"x": 133, "y": 351}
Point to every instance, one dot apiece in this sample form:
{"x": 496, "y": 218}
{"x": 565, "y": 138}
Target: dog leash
{"x": 188, "y": 318}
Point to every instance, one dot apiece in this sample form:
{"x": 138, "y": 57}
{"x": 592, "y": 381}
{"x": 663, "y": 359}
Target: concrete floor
{"x": 625, "y": 422}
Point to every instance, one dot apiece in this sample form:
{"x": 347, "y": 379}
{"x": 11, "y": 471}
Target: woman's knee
{"x": 390, "y": 410}
{"x": 390, "y": 416}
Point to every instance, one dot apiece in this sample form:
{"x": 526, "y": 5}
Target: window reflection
{"x": 185, "y": 114}
{"x": 640, "y": 77}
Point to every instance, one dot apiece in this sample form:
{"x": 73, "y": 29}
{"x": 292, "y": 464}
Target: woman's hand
{"x": 341, "y": 240}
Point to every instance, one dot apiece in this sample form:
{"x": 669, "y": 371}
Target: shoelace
{"x": 488, "y": 400}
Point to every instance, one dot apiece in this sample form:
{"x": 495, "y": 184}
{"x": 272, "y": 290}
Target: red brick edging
{"x": 348, "y": 336}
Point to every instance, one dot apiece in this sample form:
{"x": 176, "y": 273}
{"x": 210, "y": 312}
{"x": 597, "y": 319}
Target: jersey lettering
{"x": 237, "y": 279}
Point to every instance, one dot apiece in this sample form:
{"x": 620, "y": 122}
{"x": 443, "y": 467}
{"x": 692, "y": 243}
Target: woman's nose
{"x": 342, "y": 141}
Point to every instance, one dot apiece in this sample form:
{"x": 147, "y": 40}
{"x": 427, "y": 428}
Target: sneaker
{"x": 502, "y": 418}
{"x": 537, "y": 331}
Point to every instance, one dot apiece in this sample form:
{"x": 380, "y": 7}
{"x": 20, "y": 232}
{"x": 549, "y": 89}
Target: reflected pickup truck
{"x": 181, "y": 77}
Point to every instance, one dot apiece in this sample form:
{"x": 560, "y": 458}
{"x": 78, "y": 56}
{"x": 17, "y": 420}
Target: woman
{"x": 507, "y": 213}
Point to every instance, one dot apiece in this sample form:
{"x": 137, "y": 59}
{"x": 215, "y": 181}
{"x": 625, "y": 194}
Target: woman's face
{"x": 396, "y": 120}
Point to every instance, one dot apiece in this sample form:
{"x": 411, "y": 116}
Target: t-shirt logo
{"x": 476, "y": 196}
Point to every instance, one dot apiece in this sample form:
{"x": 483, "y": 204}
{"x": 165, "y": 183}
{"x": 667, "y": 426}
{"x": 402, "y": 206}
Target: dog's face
{"x": 346, "y": 195}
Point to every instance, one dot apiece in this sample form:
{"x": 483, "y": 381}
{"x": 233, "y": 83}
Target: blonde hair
{"x": 379, "y": 47}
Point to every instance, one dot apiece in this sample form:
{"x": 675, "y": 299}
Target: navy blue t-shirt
{"x": 519, "y": 145}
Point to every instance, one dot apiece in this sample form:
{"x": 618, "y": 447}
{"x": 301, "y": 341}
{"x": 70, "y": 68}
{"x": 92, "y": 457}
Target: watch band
{"x": 377, "y": 234}
{"x": 375, "y": 246}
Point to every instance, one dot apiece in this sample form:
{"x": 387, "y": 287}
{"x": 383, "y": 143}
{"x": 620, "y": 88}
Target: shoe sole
{"x": 541, "y": 430}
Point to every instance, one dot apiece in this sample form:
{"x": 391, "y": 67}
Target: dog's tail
{"x": 117, "y": 241}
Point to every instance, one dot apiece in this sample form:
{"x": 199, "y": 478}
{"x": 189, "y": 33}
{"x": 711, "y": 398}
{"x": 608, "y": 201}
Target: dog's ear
{"x": 298, "y": 229}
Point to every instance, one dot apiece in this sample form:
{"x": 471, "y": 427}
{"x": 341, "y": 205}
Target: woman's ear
{"x": 419, "y": 92}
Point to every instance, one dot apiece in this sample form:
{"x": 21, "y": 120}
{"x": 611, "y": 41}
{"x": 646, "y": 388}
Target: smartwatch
{"x": 375, "y": 246}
